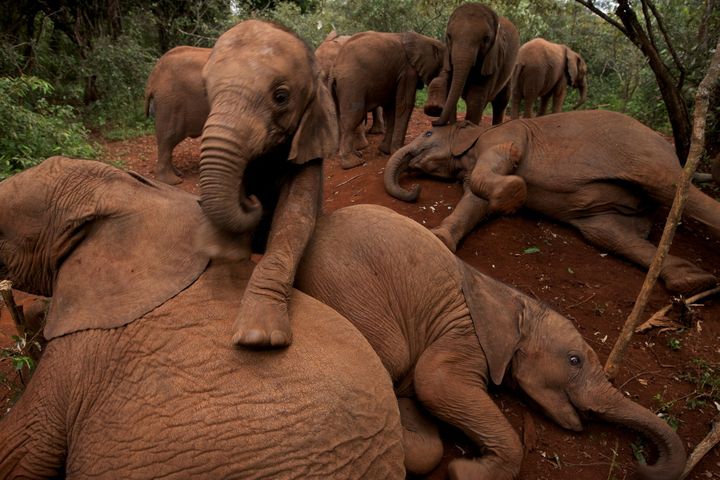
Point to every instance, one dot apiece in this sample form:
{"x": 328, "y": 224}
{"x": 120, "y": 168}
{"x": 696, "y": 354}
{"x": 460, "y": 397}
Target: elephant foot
{"x": 376, "y": 130}
{"x": 465, "y": 469}
{"x": 385, "y": 149}
{"x": 688, "y": 279}
{"x": 262, "y": 323}
{"x": 352, "y": 160}
{"x": 444, "y": 235}
{"x": 421, "y": 439}
{"x": 168, "y": 177}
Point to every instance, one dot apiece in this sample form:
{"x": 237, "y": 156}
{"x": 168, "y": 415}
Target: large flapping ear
{"x": 491, "y": 62}
{"x": 424, "y": 54}
{"x": 465, "y": 136}
{"x": 571, "y": 63}
{"x": 137, "y": 253}
{"x": 497, "y": 314}
{"x": 317, "y": 134}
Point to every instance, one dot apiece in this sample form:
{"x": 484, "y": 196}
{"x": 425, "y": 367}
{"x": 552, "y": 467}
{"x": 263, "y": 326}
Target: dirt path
{"x": 594, "y": 289}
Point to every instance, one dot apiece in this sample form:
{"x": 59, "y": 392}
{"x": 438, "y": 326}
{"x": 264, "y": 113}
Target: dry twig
{"x": 702, "y": 448}
{"x": 659, "y": 318}
{"x": 15, "y": 312}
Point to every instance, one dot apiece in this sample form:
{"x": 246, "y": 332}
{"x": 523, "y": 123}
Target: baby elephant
{"x": 602, "y": 172}
{"x": 444, "y": 331}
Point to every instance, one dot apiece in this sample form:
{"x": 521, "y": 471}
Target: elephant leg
{"x": 350, "y": 119}
{"x": 449, "y": 383}
{"x": 476, "y": 101}
{"x": 515, "y": 106}
{"x": 500, "y": 103}
{"x": 389, "y": 115}
{"x": 469, "y": 211}
{"x": 559, "y": 97}
{"x": 626, "y": 236}
{"x": 164, "y": 169}
{"x": 263, "y": 319}
{"x": 378, "y": 125}
{"x": 529, "y": 103}
{"x": 404, "y": 103}
{"x": 360, "y": 142}
{"x": 421, "y": 439}
{"x": 543, "y": 104}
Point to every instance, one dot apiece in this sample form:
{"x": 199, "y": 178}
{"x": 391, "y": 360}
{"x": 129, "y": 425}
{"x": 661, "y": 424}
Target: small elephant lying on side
{"x": 602, "y": 172}
{"x": 444, "y": 331}
{"x": 138, "y": 379}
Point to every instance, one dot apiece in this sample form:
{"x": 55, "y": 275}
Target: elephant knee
{"x": 421, "y": 439}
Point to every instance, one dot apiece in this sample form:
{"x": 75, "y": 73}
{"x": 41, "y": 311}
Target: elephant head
{"x": 103, "y": 221}
{"x": 548, "y": 359}
{"x": 424, "y": 54}
{"x": 474, "y": 40}
{"x": 438, "y": 152}
{"x": 267, "y": 103}
{"x": 576, "y": 70}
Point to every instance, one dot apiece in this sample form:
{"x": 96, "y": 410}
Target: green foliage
{"x": 20, "y": 356}
{"x": 34, "y": 128}
{"x": 705, "y": 376}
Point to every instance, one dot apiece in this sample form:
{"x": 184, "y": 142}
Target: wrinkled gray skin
{"x": 544, "y": 70}
{"x": 175, "y": 97}
{"x": 445, "y": 331}
{"x": 481, "y": 52}
{"x": 602, "y": 172}
{"x": 137, "y": 380}
{"x": 271, "y": 123}
{"x": 326, "y": 53}
{"x": 378, "y": 69}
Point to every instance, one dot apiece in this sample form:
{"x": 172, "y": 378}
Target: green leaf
{"x": 531, "y": 250}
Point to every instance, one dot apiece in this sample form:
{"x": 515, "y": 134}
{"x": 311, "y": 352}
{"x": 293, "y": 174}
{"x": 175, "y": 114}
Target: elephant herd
{"x": 172, "y": 354}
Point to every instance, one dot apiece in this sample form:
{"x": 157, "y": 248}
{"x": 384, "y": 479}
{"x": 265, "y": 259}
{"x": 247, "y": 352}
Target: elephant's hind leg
{"x": 626, "y": 236}
{"x": 165, "y": 171}
{"x": 449, "y": 384}
{"x": 421, "y": 439}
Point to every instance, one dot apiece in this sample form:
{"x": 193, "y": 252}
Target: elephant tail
{"x": 149, "y": 105}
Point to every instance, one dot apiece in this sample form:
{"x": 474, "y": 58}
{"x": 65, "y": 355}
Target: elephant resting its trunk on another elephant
{"x": 138, "y": 381}
{"x": 444, "y": 331}
{"x": 602, "y": 172}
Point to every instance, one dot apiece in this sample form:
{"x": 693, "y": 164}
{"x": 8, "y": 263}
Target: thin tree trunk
{"x": 696, "y": 149}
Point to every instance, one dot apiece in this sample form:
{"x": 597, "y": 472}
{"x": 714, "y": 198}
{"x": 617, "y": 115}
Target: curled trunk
{"x": 461, "y": 64}
{"x": 395, "y": 166}
{"x": 222, "y": 165}
{"x": 582, "y": 87}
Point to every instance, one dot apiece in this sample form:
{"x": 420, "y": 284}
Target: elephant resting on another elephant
{"x": 602, "y": 172}
{"x": 137, "y": 380}
{"x": 444, "y": 331}
{"x": 175, "y": 96}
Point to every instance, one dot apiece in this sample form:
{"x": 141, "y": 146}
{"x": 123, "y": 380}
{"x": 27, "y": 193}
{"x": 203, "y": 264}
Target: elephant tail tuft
{"x": 149, "y": 105}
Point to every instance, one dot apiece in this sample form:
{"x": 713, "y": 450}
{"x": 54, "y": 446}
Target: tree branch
{"x": 673, "y": 53}
{"x": 590, "y": 6}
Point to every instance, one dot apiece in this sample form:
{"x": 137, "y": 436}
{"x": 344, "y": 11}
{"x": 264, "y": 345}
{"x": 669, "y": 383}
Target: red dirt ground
{"x": 594, "y": 289}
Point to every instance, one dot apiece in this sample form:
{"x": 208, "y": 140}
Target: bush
{"x": 34, "y": 128}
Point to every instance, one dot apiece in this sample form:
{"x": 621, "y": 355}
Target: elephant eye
{"x": 428, "y": 133}
{"x": 281, "y": 96}
{"x": 574, "y": 360}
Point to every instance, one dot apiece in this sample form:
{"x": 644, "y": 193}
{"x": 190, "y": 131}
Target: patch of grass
{"x": 705, "y": 376}
{"x": 674, "y": 344}
{"x": 21, "y": 358}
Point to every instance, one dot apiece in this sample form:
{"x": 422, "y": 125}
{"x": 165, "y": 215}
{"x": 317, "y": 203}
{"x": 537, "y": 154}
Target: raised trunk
{"x": 395, "y": 166}
{"x": 223, "y": 159}
{"x": 582, "y": 87}
{"x": 461, "y": 65}
{"x": 671, "y": 453}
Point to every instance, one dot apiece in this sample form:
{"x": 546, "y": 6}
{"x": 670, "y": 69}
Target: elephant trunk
{"x": 395, "y": 166}
{"x": 671, "y": 453}
{"x": 224, "y": 157}
{"x": 462, "y": 63}
{"x": 582, "y": 87}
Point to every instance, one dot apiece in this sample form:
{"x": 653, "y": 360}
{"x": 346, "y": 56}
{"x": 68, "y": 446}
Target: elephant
{"x": 326, "y": 53}
{"x": 175, "y": 97}
{"x": 444, "y": 331}
{"x": 271, "y": 123}
{"x": 135, "y": 381}
{"x": 378, "y": 69}
{"x": 545, "y": 69}
{"x": 481, "y": 51}
{"x": 602, "y": 172}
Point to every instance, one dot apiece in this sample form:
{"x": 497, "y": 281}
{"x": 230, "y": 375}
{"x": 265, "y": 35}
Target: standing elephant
{"x": 479, "y": 60}
{"x": 545, "y": 69}
{"x": 445, "y": 331}
{"x": 136, "y": 380}
{"x": 271, "y": 123}
{"x": 175, "y": 96}
{"x": 603, "y": 172}
{"x": 377, "y": 69}
{"x": 326, "y": 53}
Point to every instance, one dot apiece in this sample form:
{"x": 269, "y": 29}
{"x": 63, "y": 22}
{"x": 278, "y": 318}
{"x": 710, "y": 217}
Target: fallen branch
{"x": 614, "y": 361}
{"x": 15, "y": 312}
{"x": 659, "y": 319}
{"x": 350, "y": 179}
{"x": 702, "y": 448}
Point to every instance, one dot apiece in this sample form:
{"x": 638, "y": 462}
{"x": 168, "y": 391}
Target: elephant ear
{"x": 571, "y": 63}
{"x": 317, "y": 135}
{"x": 465, "y": 136}
{"x": 498, "y": 315}
{"x": 424, "y": 54}
{"x": 134, "y": 252}
{"x": 491, "y": 62}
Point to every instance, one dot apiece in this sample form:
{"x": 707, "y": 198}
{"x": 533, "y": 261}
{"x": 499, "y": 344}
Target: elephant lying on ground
{"x": 138, "y": 381}
{"x": 175, "y": 96}
{"x": 544, "y": 70}
{"x": 602, "y": 172}
{"x": 444, "y": 331}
